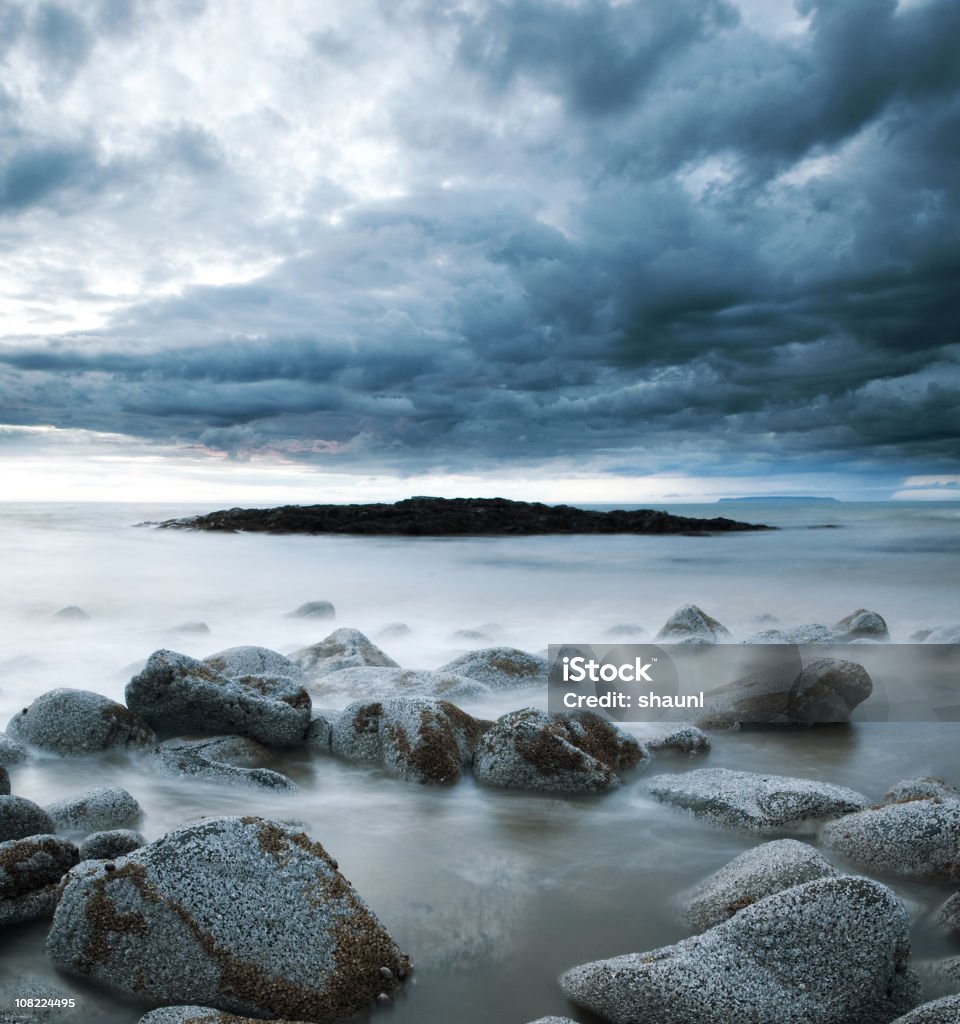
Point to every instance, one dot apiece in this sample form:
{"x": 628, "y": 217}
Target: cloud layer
{"x": 409, "y": 236}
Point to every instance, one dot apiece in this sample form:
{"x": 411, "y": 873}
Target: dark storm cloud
{"x": 624, "y": 226}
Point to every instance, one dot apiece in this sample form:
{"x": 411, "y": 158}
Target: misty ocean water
{"x": 492, "y": 893}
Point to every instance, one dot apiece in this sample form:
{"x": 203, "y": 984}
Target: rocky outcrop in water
{"x": 450, "y": 517}
{"x": 420, "y": 740}
{"x": 178, "y": 694}
{"x": 104, "y": 808}
{"x": 825, "y": 691}
{"x": 20, "y": 818}
{"x": 500, "y": 668}
{"x": 228, "y": 760}
{"x": 692, "y": 625}
{"x": 110, "y": 844}
{"x": 752, "y": 802}
{"x": 30, "y": 871}
{"x": 343, "y": 648}
{"x": 74, "y": 722}
{"x": 171, "y": 923}
{"x": 917, "y": 839}
{"x": 754, "y": 875}
{"x": 832, "y": 951}
{"x": 531, "y": 749}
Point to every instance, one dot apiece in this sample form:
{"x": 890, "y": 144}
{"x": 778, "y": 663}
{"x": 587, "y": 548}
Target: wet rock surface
{"x": 171, "y": 923}
{"x": 532, "y": 749}
{"x": 228, "y": 760}
{"x": 940, "y": 1011}
{"x": 180, "y": 695}
{"x": 447, "y": 517}
{"x": 20, "y": 817}
{"x": 499, "y": 668}
{"x": 343, "y": 648}
{"x": 30, "y": 871}
{"x": 416, "y": 739}
{"x": 825, "y": 691}
{"x": 74, "y": 722}
{"x": 791, "y": 958}
{"x": 107, "y": 807}
{"x": 753, "y": 802}
{"x": 918, "y": 839}
{"x": 693, "y": 623}
{"x": 755, "y": 874}
{"x": 111, "y": 843}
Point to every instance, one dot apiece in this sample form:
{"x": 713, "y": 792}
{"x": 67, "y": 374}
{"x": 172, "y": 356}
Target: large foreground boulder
{"x": 577, "y": 753}
{"x": 752, "y": 802}
{"x": 72, "y": 722}
{"x": 343, "y": 648}
{"x": 30, "y": 871}
{"x": 832, "y": 951}
{"x": 20, "y": 817}
{"x": 918, "y": 839}
{"x": 240, "y": 914}
{"x": 755, "y": 874}
{"x": 178, "y": 694}
{"x": 824, "y": 691}
{"x": 500, "y": 668}
{"x": 413, "y": 738}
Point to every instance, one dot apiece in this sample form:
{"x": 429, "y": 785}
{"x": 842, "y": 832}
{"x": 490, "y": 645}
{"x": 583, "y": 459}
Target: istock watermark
{"x": 762, "y": 685}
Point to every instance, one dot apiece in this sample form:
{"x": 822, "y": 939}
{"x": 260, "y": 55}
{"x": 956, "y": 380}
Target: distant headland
{"x": 451, "y": 517}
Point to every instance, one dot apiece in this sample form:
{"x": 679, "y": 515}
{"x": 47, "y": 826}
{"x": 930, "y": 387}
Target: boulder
{"x": 72, "y": 613}
{"x": 244, "y": 915}
{"x": 812, "y": 633}
{"x": 942, "y": 975}
{"x": 201, "y": 1015}
{"x": 30, "y": 871}
{"x": 20, "y": 818}
{"x": 252, "y": 661}
{"x": 111, "y": 844}
{"x": 73, "y": 722}
{"x": 369, "y": 681}
{"x": 918, "y": 839}
{"x": 178, "y": 694}
{"x": 948, "y": 916}
{"x": 755, "y": 874}
{"x": 824, "y": 691}
{"x": 831, "y": 951}
{"x": 320, "y": 731}
{"x": 98, "y": 809}
{"x": 685, "y": 739}
{"x": 861, "y": 624}
{"x": 394, "y": 631}
{"x": 940, "y": 1011}
{"x": 943, "y": 635}
{"x": 500, "y": 668}
{"x": 11, "y": 751}
{"x": 553, "y": 1020}
{"x": 4, "y": 782}
{"x": 314, "y": 610}
{"x": 413, "y": 738}
{"x": 924, "y": 788}
{"x": 755, "y": 803}
{"x": 692, "y": 623}
{"x": 221, "y": 759}
{"x": 343, "y": 648}
{"x": 533, "y": 749}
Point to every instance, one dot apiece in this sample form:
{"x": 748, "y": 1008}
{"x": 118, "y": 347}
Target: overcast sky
{"x": 652, "y": 249}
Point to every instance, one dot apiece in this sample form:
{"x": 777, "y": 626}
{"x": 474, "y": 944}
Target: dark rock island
{"x": 450, "y": 517}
